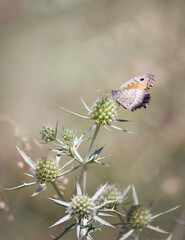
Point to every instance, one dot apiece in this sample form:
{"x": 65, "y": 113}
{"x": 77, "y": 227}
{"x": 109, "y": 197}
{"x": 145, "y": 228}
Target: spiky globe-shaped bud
{"x": 48, "y": 133}
{"x": 111, "y": 192}
{"x": 68, "y": 134}
{"x": 47, "y": 170}
{"x": 82, "y": 207}
{"x": 138, "y": 217}
{"x": 103, "y": 111}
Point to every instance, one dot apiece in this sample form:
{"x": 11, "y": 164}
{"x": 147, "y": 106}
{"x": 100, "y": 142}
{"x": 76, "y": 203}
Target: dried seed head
{"x": 48, "y": 133}
{"x": 68, "y": 134}
{"x": 138, "y": 217}
{"x": 47, "y": 170}
{"x": 103, "y": 111}
{"x": 82, "y": 207}
{"x": 111, "y": 192}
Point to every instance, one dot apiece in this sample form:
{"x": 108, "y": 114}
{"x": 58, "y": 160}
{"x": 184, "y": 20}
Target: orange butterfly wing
{"x": 141, "y": 86}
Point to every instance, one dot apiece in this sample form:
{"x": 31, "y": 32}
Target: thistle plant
{"x": 113, "y": 193}
{"x": 84, "y": 209}
{"x": 102, "y": 112}
{"x": 48, "y": 133}
{"x": 85, "y": 213}
{"x": 68, "y": 134}
{"x": 140, "y": 217}
{"x": 45, "y": 170}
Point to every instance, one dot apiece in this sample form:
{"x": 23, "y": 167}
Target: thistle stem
{"x": 87, "y": 157}
{"x": 119, "y": 216}
{"x": 84, "y": 178}
{"x": 58, "y": 192}
{"x": 92, "y": 142}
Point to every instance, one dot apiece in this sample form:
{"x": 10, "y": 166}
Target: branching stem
{"x": 92, "y": 142}
{"x": 87, "y": 157}
{"x": 84, "y": 178}
{"x": 58, "y": 192}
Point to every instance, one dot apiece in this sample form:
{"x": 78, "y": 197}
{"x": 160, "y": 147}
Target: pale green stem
{"x": 87, "y": 157}
{"x": 119, "y": 216}
{"x": 58, "y": 192}
{"x": 84, "y": 178}
{"x": 92, "y": 142}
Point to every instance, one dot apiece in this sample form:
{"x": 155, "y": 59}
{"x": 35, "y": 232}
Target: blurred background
{"x": 54, "y": 52}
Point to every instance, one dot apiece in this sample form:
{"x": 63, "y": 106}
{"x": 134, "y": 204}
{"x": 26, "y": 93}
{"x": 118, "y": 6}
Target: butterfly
{"x": 134, "y": 93}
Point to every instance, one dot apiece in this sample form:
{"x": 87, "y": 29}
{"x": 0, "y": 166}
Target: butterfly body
{"x": 134, "y": 94}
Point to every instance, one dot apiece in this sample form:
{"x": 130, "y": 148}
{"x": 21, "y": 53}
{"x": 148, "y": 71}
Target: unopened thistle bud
{"x": 111, "y": 193}
{"x": 68, "y": 134}
{"x": 138, "y": 217}
{"x": 82, "y": 207}
{"x": 103, "y": 111}
{"x": 47, "y": 170}
{"x": 48, "y": 133}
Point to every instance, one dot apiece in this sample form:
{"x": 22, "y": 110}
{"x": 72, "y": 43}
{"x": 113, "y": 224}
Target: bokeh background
{"x": 54, "y": 52}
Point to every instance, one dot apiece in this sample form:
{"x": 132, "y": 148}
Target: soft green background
{"x": 54, "y": 52}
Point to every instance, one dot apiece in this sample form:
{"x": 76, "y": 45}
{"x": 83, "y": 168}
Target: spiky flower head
{"x": 68, "y": 134}
{"x": 104, "y": 111}
{"x": 138, "y": 217}
{"x": 82, "y": 207}
{"x": 111, "y": 192}
{"x": 85, "y": 210}
{"x": 48, "y": 133}
{"x": 47, "y": 170}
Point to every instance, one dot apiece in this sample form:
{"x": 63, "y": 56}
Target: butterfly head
{"x": 114, "y": 93}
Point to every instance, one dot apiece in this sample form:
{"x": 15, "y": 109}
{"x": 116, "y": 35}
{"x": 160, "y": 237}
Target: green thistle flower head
{"x": 104, "y": 111}
{"x": 111, "y": 193}
{"x": 48, "y": 133}
{"x": 68, "y": 134}
{"x": 82, "y": 207}
{"x": 47, "y": 170}
{"x": 138, "y": 217}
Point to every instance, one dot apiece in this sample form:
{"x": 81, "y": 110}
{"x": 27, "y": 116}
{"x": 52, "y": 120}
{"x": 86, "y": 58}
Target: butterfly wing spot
{"x": 142, "y": 79}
